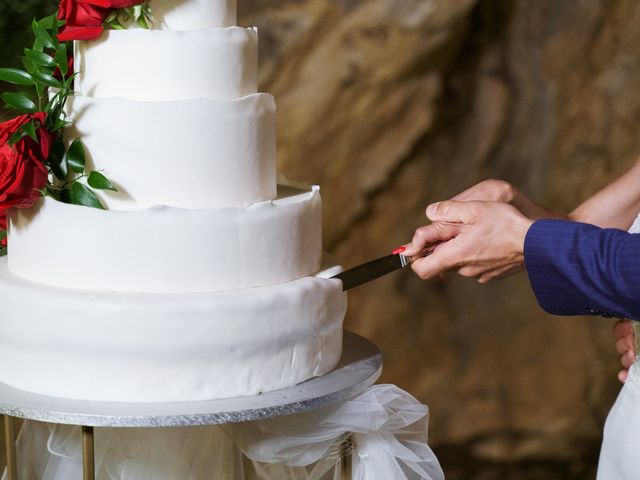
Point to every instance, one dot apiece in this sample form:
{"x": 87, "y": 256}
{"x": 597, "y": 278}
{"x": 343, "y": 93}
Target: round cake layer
{"x": 122, "y": 347}
{"x": 192, "y": 14}
{"x": 196, "y": 153}
{"x": 165, "y": 249}
{"x": 158, "y": 65}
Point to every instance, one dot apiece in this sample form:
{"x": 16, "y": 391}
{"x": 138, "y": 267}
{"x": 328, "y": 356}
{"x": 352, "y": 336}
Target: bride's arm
{"x": 616, "y": 205}
{"x": 501, "y": 191}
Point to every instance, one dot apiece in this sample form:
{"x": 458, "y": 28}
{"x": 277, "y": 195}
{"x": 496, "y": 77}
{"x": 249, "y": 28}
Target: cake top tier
{"x": 194, "y": 14}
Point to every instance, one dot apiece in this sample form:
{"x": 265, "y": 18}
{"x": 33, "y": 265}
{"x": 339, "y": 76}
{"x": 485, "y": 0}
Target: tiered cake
{"x": 201, "y": 278}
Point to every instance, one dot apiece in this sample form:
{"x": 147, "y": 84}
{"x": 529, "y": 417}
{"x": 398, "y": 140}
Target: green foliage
{"x": 16, "y": 76}
{"x": 82, "y": 195}
{"x": 40, "y": 58}
{"x": 139, "y": 15}
{"x": 58, "y": 160}
{"x": 75, "y": 157}
{"x": 44, "y": 86}
{"x": 19, "y": 102}
{"x": 100, "y": 182}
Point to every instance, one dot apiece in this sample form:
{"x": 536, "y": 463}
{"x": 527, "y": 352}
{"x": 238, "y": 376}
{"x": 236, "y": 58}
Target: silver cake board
{"x": 359, "y": 368}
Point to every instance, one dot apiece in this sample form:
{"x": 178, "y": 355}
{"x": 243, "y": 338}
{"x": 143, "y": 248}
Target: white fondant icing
{"x": 192, "y": 14}
{"x": 167, "y": 249}
{"x": 188, "y": 153}
{"x": 163, "y": 348}
{"x": 157, "y": 65}
{"x": 192, "y": 229}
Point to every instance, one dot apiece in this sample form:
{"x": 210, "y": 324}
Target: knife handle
{"x": 426, "y": 251}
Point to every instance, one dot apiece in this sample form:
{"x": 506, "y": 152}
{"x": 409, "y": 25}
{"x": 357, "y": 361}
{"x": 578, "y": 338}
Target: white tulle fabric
{"x": 389, "y": 428}
{"x": 47, "y": 452}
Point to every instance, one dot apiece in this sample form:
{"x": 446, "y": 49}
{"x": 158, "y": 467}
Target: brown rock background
{"x": 392, "y": 104}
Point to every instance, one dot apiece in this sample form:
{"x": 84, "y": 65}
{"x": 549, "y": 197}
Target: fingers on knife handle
{"x": 426, "y": 251}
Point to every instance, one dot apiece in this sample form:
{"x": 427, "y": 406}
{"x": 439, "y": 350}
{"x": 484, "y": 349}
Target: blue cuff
{"x": 580, "y": 269}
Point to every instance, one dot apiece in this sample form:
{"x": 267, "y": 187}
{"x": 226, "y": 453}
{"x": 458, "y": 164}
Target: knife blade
{"x": 366, "y": 272}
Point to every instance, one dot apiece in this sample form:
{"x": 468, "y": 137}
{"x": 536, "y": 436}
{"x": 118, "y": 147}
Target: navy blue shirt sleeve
{"x": 580, "y": 269}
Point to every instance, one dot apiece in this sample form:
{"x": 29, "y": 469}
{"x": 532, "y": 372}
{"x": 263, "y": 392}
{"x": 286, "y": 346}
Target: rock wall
{"x": 392, "y": 104}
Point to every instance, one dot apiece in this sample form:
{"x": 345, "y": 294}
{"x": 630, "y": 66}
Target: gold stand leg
{"x": 10, "y": 445}
{"x": 88, "y": 459}
{"x": 346, "y": 458}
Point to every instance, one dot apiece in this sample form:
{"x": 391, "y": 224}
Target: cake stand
{"x": 359, "y": 368}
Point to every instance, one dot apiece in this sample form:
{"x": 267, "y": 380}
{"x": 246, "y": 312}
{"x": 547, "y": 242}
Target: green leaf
{"x": 42, "y": 35}
{"x": 61, "y": 123}
{"x": 82, "y": 195}
{"x": 54, "y": 193}
{"x": 55, "y": 26}
{"x": 40, "y": 58}
{"x": 3, "y": 235}
{"x": 40, "y": 89}
{"x": 47, "y": 22}
{"x": 142, "y": 23}
{"x": 37, "y": 45}
{"x": 62, "y": 60}
{"x": 65, "y": 196}
{"x": 29, "y": 65}
{"x": 75, "y": 156}
{"x": 136, "y": 12}
{"x": 19, "y": 102}
{"x": 53, "y": 101}
{"x": 16, "y": 76}
{"x": 69, "y": 81}
{"x": 30, "y": 129}
{"x": 47, "y": 79}
{"x": 100, "y": 182}
{"x": 58, "y": 160}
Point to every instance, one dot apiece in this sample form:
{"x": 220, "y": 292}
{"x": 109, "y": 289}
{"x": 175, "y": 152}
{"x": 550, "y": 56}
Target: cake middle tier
{"x": 168, "y": 250}
{"x": 160, "y": 65}
{"x": 189, "y": 153}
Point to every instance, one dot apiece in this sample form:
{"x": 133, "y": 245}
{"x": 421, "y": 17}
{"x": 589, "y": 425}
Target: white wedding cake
{"x": 202, "y": 279}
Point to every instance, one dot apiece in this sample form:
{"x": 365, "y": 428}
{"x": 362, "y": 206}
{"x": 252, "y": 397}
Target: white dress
{"x": 620, "y": 452}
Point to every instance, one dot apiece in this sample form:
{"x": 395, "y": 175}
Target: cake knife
{"x": 366, "y": 272}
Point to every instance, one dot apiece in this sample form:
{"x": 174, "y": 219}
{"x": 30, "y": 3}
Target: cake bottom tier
{"x": 119, "y": 347}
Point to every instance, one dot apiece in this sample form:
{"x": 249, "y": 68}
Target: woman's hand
{"x": 504, "y": 192}
{"x": 488, "y": 191}
{"x": 625, "y": 345}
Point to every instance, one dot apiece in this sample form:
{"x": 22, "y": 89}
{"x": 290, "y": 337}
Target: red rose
{"x": 22, "y": 169}
{"x": 84, "y": 18}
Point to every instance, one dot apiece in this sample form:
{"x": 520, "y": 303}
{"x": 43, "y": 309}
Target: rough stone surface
{"x": 392, "y": 104}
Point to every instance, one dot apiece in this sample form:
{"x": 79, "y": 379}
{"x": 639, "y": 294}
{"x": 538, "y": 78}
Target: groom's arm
{"x": 580, "y": 269}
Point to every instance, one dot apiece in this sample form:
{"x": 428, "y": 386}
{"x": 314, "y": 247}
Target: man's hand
{"x": 478, "y": 239}
{"x": 625, "y": 345}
